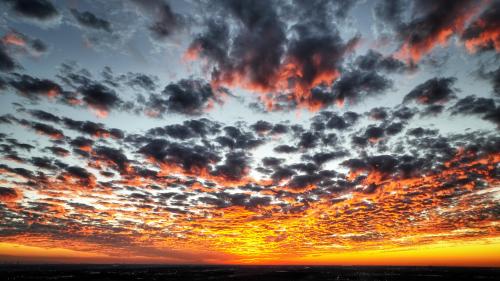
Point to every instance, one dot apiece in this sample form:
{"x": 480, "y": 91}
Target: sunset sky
{"x": 250, "y": 132}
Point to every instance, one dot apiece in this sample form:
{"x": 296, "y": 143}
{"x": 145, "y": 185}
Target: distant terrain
{"x": 261, "y": 273}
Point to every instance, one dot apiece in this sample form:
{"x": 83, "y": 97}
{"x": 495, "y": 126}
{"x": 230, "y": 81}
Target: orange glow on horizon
{"x": 483, "y": 253}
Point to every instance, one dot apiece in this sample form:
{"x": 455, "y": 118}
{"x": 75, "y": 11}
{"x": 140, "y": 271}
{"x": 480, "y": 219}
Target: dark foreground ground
{"x": 241, "y": 273}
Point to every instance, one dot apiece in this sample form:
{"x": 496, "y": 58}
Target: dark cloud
{"x": 280, "y": 173}
{"x": 356, "y": 85}
{"x": 323, "y": 9}
{"x": 39, "y": 46}
{"x": 47, "y": 130}
{"x": 156, "y": 149}
{"x": 190, "y": 158}
{"x": 45, "y": 116}
{"x": 175, "y": 131}
{"x": 304, "y": 181}
{"x": 262, "y": 127}
{"x": 143, "y": 81}
{"x": 43, "y": 163}
{"x": 308, "y": 140}
{"x": 24, "y": 173}
{"x": 321, "y": 158}
{"x": 189, "y": 129}
{"x": 92, "y": 129}
{"x": 279, "y": 129}
{"x": 378, "y": 113}
{"x": 17, "y": 144}
{"x": 494, "y": 78}
{"x": 166, "y": 21}
{"x": 263, "y": 56}
{"x": 483, "y": 107}
{"x": 19, "y": 43}
{"x": 432, "y": 110}
{"x": 85, "y": 178}
{"x": 384, "y": 164}
{"x": 375, "y": 61}
{"x": 256, "y": 49}
{"x": 187, "y": 96}
{"x": 225, "y": 200}
{"x": 41, "y": 10}
{"x": 271, "y": 161}
{"x": 33, "y": 88}
{"x": 419, "y": 132}
{"x": 100, "y": 98}
{"x": 73, "y": 77}
{"x": 235, "y": 166}
{"x": 394, "y": 128}
{"x": 390, "y": 11}
{"x": 482, "y": 33}
{"x": 430, "y": 23}
{"x": 404, "y": 113}
{"x": 8, "y": 194}
{"x": 285, "y": 149}
{"x": 82, "y": 143}
{"x": 435, "y": 90}
{"x": 7, "y": 63}
{"x": 114, "y": 156}
{"x": 374, "y": 133}
{"x": 335, "y": 121}
{"x": 88, "y": 19}
{"x": 59, "y": 151}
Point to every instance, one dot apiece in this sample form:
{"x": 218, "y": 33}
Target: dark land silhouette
{"x": 241, "y": 273}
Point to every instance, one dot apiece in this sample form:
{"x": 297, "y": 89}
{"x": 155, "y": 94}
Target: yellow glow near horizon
{"x": 479, "y": 253}
{"x": 19, "y": 250}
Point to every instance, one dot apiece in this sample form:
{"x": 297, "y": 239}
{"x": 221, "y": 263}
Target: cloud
{"x": 59, "y": 151}
{"x": 472, "y": 105}
{"x": 235, "y": 166}
{"x": 191, "y": 159}
{"x": 100, "y": 98}
{"x": 33, "y": 88}
{"x": 337, "y": 10}
{"x": 194, "y": 128}
{"x": 40, "y": 10}
{"x": 494, "y": 78}
{"x": 429, "y": 25}
{"x": 259, "y": 184}
{"x": 356, "y": 85}
{"x": 432, "y": 91}
{"x": 82, "y": 143}
{"x": 89, "y": 20}
{"x": 143, "y": 81}
{"x": 21, "y": 43}
{"x": 375, "y": 61}
{"x": 484, "y": 32}
{"x": 80, "y": 176}
{"x": 284, "y": 148}
{"x": 44, "y": 116}
{"x": 43, "y": 163}
{"x": 93, "y": 129}
{"x": 187, "y": 96}
{"x": 47, "y": 130}
{"x": 261, "y": 55}
{"x": 7, "y": 63}
{"x": 205, "y": 170}
{"x": 166, "y": 21}
{"x": 113, "y": 157}
{"x": 15, "y": 43}
{"x": 9, "y": 194}
{"x": 390, "y": 11}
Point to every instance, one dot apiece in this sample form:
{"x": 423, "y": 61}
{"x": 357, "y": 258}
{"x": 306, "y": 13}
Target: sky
{"x": 250, "y": 132}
